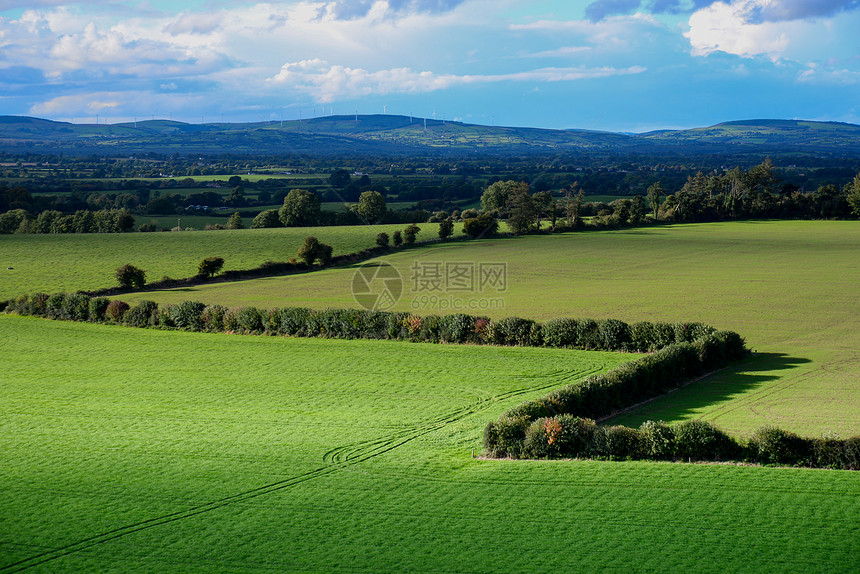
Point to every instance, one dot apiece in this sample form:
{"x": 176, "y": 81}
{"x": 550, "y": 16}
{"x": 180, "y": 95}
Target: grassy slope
{"x": 789, "y": 287}
{"x": 198, "y": 452}
{"x": 88, "y": 261}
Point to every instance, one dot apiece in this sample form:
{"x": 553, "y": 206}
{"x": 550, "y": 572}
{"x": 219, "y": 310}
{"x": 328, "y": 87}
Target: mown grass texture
{"x": 197, "y": 452}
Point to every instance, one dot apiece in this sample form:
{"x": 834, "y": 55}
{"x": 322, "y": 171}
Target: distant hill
{"x": 392, "y": 134}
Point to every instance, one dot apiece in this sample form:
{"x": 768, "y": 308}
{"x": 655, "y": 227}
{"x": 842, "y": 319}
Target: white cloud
{"x": 560, "y": 52}
{"x": 727, "y": 27}
{"x": 839, "y": 77}
{"x": 617, "y": 33}
{"x": 326, "y": 83}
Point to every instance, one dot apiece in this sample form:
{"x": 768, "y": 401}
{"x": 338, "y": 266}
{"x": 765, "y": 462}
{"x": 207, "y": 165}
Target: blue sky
{"x": 618, "y": 65}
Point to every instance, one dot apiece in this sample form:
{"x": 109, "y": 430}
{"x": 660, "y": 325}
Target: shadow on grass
{"x": 720, "y": 387}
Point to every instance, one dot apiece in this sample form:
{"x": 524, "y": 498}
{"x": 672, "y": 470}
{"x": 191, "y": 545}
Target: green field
{"x": 790, "y": 288}
{"x": 87, "y": 261}
{"x": 195, "y": 452}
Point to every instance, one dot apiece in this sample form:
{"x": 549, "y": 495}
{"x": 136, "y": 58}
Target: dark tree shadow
{"x": 722, "y": 386}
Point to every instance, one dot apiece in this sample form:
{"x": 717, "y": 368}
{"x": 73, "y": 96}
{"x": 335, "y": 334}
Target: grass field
{"x": 196, "y": 453}
{"x": 87, "y": 261}
{"x": 790, "y": 288}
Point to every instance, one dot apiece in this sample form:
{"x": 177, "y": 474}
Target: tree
{"x": 210, "y": 267}
{"x": 409, "y": 233}
{"x": 339, "y": 178}
{"x": 545, "y": 206}
{"x": 267, "y": 218}
{"x": 573, "y": 195}
{"x": 484, "y": 225}
{"x": 495, "y": 197}
{"x": 446, "y": 228}
{"x": 301, "y": 209}
{"x": 397, "y": 238}
{"x": 637, "y": 209}
{"x": 237, "y": 197}
{"x": 853, "y": 195}
{"x": 371, "y": 206}
{"x": 655, "y": 194}
{"x": 124, "y": 221}
{"x": 382, "y": 239}
{"x": 522, "y": 212}
{"x": 621, "y": 210}
{"x": 308, "y": 251}
{"x": 130, "y": 277}
{"x": 235, "y": 221}
{"x": 312, "y": 249}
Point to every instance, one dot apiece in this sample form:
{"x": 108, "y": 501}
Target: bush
{"x": 409, "y": 234}
{"x": 643, "y": 337}
{"x": 235, "y": 221}
{"x": 397, "y": 238}
{"x": 587, "y": 336}
{"x": 771, "y": 445}
{"x": 618, "y": 443}
{"x": 266, "y": 219}
{"x": 144, "y": 314}
{"x": 701, "y": 440}
{"x": 505, "y": 437}
{"x": 210, "y": 267}
{"x": 76, "y": 307}
{"x": 249, "y": 320}
{"x": 613, "y": 335}
{"x": 293, "y": 321}
{"x": 54, "y": 306}
{"x": 187, "y": 315}
{"x": 382, "y": 239}
{"x": 456, "y": 328}
{"x": 515, "y": 331}
{"x": 312, "y": 249}
{"x": 559, "y": 332}
{"x": 115, "y": 310}
{"x": 213, "y": 318}
{"x": 324, "y": 253}
{"x": 98, "y": 306}
{"x": 484, "y": 225}
{"x": 446, "y": 228}
{"x": 130, "y": 277}
{"x": 658, "y": 440}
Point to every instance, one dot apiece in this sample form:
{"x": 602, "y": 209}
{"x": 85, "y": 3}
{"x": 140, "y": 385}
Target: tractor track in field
{"x": 335, "y": 459}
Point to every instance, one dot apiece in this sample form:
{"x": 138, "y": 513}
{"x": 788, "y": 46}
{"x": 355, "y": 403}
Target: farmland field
{"x": 790, "y": 288}
{"x": 196, "y": 452}
{"x": 88, "y": 261}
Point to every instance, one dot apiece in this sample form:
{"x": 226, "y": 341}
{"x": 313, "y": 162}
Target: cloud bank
{"x": 327, "y": 83}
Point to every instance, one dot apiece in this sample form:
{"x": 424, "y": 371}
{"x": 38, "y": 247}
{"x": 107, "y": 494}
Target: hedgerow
{"x": 559, "y": 424}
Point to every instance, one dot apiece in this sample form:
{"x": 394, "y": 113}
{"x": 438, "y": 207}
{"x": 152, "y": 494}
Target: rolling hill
{"x": 392, "y": 134}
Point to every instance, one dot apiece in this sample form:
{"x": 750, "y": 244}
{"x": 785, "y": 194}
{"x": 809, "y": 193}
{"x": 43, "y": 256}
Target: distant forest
{"x": 417, "y": 188}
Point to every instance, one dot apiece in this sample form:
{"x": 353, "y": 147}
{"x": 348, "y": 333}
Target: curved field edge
{"x": 109, "y": 429}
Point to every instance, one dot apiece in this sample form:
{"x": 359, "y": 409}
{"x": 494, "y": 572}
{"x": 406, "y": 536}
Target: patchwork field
{"x": 144, "y": 450}
{"x": 789, "y": 287}
{"x": 88, "y": 261}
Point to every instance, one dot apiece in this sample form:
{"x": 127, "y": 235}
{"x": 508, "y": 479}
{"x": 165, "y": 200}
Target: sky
{"x": 614, "y": 65}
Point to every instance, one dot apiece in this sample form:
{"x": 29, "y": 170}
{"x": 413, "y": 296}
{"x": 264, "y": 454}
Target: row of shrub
{"x": 561, "y": 423}
{"x": 633, "y": 382}
{"x": 570, "y": 436}
{"x": 608, "y": 334}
